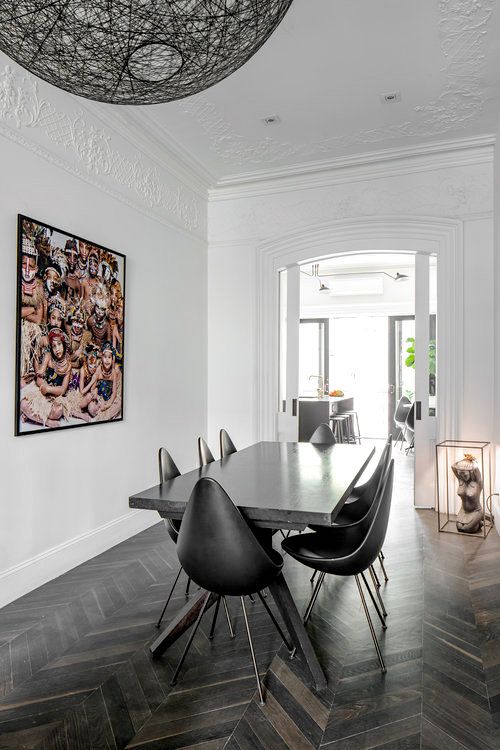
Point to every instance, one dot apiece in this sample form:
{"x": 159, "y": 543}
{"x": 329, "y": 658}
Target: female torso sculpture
{"x": 470, "y": 486}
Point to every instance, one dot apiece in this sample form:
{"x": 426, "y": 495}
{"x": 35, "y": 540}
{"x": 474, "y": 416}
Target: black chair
{"x": 220, "y": 552}
{"x": 168, "y": 470}
{"x": 399, "y": 418}
{"x": 363, "y": 495}
{"x": 410, "y": 429}
{"x": 323, "y": 435}
{"x": 357, "y": 506}
{"x": 348, "y": 551}
{"x": 227, "y": 447}
{"x": 204, "y": 453}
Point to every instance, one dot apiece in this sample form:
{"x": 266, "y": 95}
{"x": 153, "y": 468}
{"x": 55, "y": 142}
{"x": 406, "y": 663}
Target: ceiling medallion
{"x": 136, "y": 51}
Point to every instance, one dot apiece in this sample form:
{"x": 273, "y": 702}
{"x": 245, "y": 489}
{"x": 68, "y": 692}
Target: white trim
{"x": 353, "y": 236}
{"x": 138, "y": 128}
{"x": 136, "y": 205}
{"x": 372, "y": 165}
{"x": 28, "y": 575}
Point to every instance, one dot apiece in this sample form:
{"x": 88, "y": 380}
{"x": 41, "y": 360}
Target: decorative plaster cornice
{"x": 453, "y": 192}
{"x": 462, "y": 28}
{"x": 372, "y": 165}
{"x": 90, "y": 151}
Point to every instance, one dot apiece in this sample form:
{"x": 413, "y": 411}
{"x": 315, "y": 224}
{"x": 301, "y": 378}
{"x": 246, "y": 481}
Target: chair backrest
{"x": 168, "y": 470}
{"x": 166, "y": 465}
{"x": 218, "y": 549}
{"x": 402, "y": 408}
{"x": 373, "y": 529}
{"x": 205, "y": 454}
{"x": 410, "y": 419}
{"x": 323, "y": 435}
{"x": 366, "y": 492}
{"x": 226, "y": 444}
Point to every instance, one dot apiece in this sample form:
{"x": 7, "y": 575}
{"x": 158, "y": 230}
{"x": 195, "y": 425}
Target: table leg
{"x": 181, "y": 622}
{"x": 293, "y": 621}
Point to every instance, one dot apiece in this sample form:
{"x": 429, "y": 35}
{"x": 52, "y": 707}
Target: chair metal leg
{"x": 276, "y": 623}
{"x": 313, "y": 576}
{"x": 169, "y": 597}
{"x": 370, "y": 625}
{"x": 228, "y": 617}
{"x": 375, "y": 577}
{"x": 379, "y": 613}
{"x": 313, "y": 598}
{"x": 381, "y": 561}
{"x": 214, "y": 621}
{"x": 259, "y": 686}
{"x": 381, "y": 554}
{"x": 188, "y": 644}
{"x": 187, "y": 586}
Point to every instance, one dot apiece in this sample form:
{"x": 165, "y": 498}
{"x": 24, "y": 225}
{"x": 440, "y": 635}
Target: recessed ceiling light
{"x": 390, "y": 97}
{"x": 271, "y": 120}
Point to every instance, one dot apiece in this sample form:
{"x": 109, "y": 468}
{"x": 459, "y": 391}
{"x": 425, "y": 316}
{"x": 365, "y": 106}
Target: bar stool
{"x": 341, "y": 427}
{"x": 355, "y": 431}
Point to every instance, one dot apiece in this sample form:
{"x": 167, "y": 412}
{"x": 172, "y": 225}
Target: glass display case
{"x": 464, "y": 488}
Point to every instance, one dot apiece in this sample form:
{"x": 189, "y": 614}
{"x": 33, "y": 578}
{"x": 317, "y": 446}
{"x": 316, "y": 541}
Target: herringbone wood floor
{"x": 75, "y": 673}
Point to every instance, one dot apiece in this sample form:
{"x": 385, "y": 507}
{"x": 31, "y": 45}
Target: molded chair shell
{"x": 323, "y": 435}
{"x": 204, "y": 453}
{"x": 349, "y": 550}
{"x": 227, "y": 447}
{"x": 218, "y": 549}
{"x": 168, "y": 470}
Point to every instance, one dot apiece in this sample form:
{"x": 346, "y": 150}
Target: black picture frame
{"x": 36, "y": 346}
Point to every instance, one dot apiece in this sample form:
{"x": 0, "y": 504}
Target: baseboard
{"x": 28, "y": 575}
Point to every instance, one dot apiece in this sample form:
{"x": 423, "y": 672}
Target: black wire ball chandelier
{"x": 135, "y": 51}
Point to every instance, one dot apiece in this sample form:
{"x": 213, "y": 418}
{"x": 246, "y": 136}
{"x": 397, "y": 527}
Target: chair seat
{"x": 326, "y": 550}
{"x": 351, "y": 512}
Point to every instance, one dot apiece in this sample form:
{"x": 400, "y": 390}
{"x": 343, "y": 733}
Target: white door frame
{"x": 411, "y": 234}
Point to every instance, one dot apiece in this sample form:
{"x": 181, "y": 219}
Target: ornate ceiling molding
{"x": 456, "y": 193}
{"x": 462, "y": 28}
{"x": 91, "y": 151}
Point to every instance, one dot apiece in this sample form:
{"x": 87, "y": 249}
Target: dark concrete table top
{"x": 275, "y": 485}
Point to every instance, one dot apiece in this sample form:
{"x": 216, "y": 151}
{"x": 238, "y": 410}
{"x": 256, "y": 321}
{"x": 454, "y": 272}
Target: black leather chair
{"x": 358, "y": 504}
{"x": 400, "y": 415}
{"x": 168, "y": 470}
{"x": 323, "y": 435}
{"x": 220, "y": 552}
{"x": 226, "y": 444}
{"x": 204, "y": 453}
{"x": 348, "y": 550}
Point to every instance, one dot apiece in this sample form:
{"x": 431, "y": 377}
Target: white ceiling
{"x": 323, "y": 71}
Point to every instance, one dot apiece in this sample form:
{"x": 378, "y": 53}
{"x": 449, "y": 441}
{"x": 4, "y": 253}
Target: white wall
{"x": 64, "y": 495}
{"x": 453, "y": 185}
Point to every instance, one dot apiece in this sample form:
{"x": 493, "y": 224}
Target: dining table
{"x": 275, "y": 485}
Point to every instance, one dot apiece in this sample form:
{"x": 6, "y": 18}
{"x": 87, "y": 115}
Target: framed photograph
{"x": 70, "y": 330}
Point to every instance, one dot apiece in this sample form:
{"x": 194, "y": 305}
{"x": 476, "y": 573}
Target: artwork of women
{"x": 470, "y": 486}
{"x": 70, "y": 330}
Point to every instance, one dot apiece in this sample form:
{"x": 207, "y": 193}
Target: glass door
{"x": 425, "y": 379}
{"x": 314, "y": 336}
{"x": 287, "y": 423}
{"x": 401, "y": 363}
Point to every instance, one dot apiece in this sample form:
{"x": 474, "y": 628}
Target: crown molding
{"x": 141, "y": 131}
{"x": 67, "y": 132}
{"x": 369, "y": 165}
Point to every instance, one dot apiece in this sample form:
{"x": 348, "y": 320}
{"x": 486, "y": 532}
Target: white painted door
{"x": 289, "y": 317}
{"x": 425, "y": 404}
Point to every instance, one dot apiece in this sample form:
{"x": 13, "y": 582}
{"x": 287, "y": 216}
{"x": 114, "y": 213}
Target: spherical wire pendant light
{"x": 135, "y": 51}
